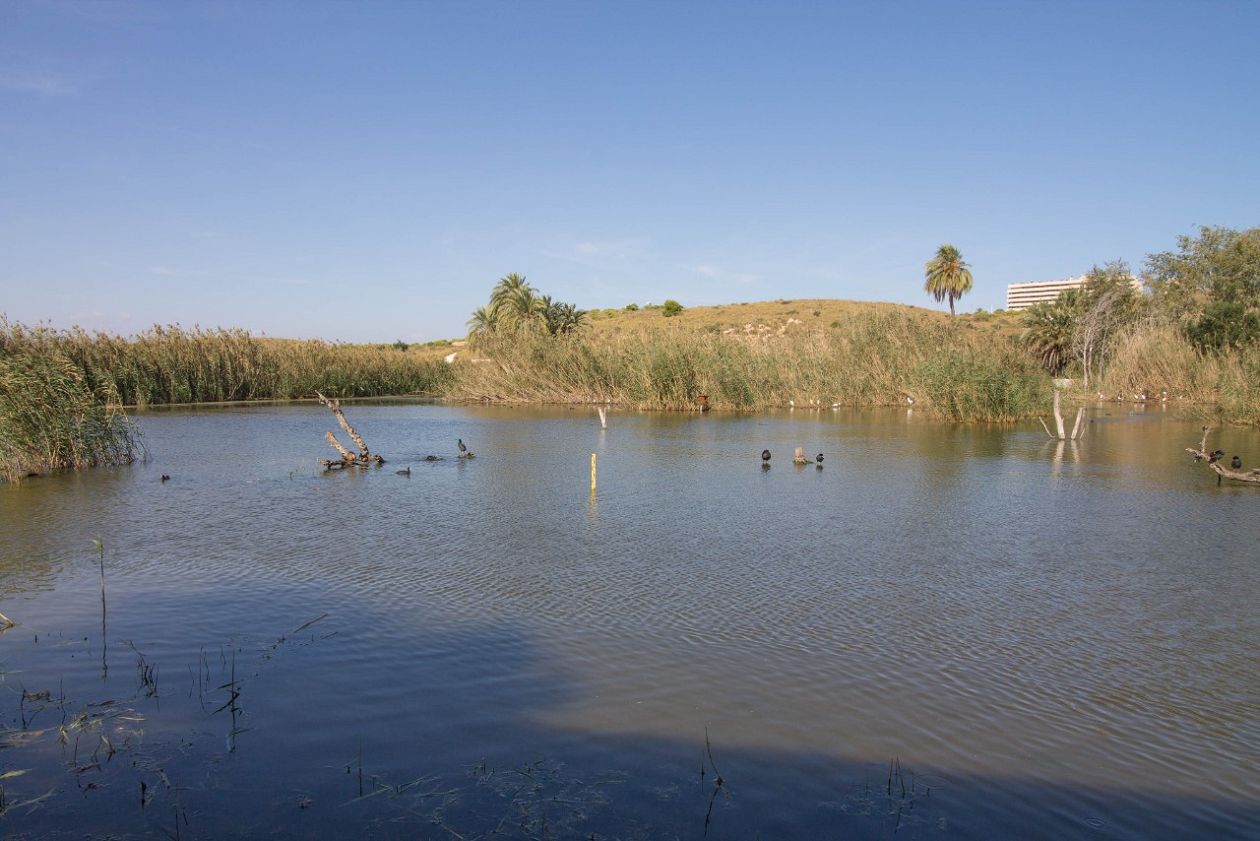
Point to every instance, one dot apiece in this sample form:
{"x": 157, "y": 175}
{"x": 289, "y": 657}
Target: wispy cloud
{"x": 40, "y": 84}
{"x": 590, "y": 252}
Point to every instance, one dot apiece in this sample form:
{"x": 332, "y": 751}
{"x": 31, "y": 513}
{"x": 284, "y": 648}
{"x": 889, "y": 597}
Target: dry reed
{"x": 867, "y": 359}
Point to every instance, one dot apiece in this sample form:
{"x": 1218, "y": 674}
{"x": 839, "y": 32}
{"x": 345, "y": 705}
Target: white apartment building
{"x": 1021, "y": 296}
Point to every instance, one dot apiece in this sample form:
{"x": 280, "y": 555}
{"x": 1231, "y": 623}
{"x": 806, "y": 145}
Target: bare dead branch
{"x": 365, "y": 456}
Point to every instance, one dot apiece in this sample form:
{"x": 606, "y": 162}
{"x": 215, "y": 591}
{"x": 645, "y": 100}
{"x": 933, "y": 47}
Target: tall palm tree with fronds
{"x": 947, "y": 276}
{"x": 514, "y": 301}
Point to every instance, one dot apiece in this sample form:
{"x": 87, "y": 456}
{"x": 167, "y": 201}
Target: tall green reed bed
{"x": 51, "y": 418}
{"x": 870, "y": 359}
{"x": 61, "y": 391}
{"x": 176, "y": 365}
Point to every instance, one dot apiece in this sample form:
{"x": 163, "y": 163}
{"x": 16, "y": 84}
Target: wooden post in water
{"x": 592, "y": 472}
{"x": 603, "y": 418}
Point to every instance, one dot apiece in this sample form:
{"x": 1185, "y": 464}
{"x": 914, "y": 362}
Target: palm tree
{"x": 515, "y": 301}
{"x": 510, "y": 292}
{"x": 483, "y": 321}
{"x": 947, "y": 276}
{"x": 562, "y": 318}
{"x": 1048, "y": 332}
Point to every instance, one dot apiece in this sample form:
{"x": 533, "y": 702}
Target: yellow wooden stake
{"x": 592, "y": 471}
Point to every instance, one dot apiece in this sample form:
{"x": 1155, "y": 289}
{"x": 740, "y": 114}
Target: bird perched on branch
{"x": 1236, "y": 463}
{"x": 1216, "y": 456}
{"x": 462, "y": 448}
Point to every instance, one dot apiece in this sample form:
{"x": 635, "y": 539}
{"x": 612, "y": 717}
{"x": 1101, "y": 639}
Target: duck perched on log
{"x": 1214, "y": 461}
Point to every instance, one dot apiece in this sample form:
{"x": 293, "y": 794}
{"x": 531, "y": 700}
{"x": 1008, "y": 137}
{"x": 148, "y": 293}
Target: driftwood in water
{"x": 799, "y": 457}
{"x": 1202, "y": 454}
{"x": 348, "y": 459}
{"x": 1077, "y": 430}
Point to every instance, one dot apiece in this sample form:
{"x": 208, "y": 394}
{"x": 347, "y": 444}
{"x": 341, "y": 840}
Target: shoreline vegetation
{"x": 1188, "y": 336}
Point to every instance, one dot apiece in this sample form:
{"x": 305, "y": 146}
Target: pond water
{"x": 947, "y": 631}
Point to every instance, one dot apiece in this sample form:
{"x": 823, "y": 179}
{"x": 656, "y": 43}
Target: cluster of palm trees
{"x": 515, "y": 305}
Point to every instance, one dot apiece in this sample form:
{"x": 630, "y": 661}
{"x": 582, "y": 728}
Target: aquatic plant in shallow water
{"x": 51, "y": 419}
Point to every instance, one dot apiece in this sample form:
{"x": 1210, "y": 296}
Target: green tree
{"x": 1103, "y": 307}
{"x": 947, "y": 276}
{"x": 671, "y": 308}
{"x": 1211, "y": 285}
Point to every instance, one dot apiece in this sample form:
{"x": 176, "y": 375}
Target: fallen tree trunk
{"x": 1202, "y": 454}
{"x": 348, "y": 459}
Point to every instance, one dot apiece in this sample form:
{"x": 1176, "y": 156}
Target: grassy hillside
{"x": 795, "y": 315}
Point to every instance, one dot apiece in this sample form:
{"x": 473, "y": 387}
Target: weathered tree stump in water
{"x": 1077, "y": 430}
{"x": 1202, "y": 454}
{"x": 348, "y": 459}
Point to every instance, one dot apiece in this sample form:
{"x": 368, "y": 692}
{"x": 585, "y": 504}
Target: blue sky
{"x": 366, "y": 171}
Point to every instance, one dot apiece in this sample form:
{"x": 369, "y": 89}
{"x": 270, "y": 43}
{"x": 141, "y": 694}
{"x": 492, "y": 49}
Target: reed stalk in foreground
{"x": 99, "y": 545}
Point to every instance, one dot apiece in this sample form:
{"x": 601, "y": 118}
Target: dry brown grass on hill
{"x": 783, "y": 316}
